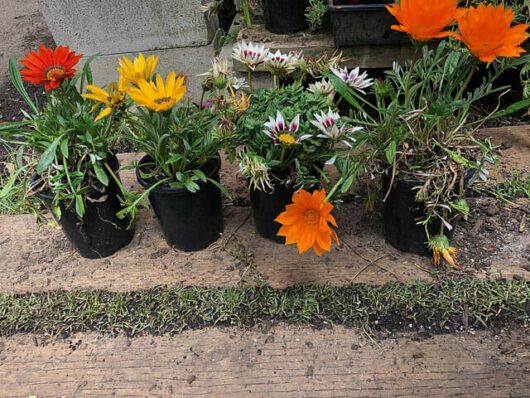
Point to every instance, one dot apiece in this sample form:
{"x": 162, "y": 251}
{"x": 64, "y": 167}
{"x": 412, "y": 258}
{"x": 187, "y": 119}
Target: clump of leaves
{"x": 316, "y": 14}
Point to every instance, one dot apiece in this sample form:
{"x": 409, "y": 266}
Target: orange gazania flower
{"x": 49, "y": 66}
{"x": 486, "y": 31}
{"x": 424, "y": 20}
{"x": 439, "y": 245}
{"x": 305, "y": 222}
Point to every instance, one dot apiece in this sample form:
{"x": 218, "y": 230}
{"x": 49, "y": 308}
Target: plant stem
{"x": 407, "y": 83}
{"x": 282, "y": 156}
{"x": 250, "y": 81}
{"x": 334, "y": 189}
{"x": 468, "y": 79}
{"x": 246, "y": 11}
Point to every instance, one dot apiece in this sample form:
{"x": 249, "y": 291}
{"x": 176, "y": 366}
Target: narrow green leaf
{"x": 100, "y": 174}
{"x": 64, "y": 148}
{"x": 48, "y": 156}
{"x": 390, "y": 152}
{"x": 14, "y": 73}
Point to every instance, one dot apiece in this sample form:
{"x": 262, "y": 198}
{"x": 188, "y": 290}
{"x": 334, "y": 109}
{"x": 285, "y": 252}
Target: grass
{"x": 437, "y": 307}
{"x": 517, "y": 184}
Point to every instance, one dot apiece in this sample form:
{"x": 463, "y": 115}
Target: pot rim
{"x": 164, "y": 189}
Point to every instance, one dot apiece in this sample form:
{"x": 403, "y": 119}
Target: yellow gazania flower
{"x": 440, "y": 248}
{"x": 159, "y": 97}
{"x": 141, "y": 68}
{"x": 113, "y": 97}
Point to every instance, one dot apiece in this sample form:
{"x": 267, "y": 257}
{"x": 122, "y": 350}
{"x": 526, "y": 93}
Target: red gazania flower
{"x": 49, "y": 66}
{"x": 424, "y": 20}
{"x": 305, "y": 222}
{"x": 487, "y": 33}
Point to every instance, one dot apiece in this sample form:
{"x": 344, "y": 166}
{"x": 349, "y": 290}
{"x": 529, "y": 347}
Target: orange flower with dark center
{"x": 486, "y": 31}
{"x": 425, "y": 20}
{"x": 305, "y": 222}
{"x": 49, "y": 66}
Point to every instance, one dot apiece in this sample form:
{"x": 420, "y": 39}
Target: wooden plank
{"x": 284, "y": 361}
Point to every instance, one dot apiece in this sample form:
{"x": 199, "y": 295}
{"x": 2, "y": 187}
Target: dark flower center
{"x": 54, "y": 72}
{"x": 159, "y": 101}
{"x": 312, "y": 216}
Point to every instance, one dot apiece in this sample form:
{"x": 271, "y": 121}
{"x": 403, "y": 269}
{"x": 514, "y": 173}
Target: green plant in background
{"x": 316, "y": 13}
{"x": 517, "y": 183}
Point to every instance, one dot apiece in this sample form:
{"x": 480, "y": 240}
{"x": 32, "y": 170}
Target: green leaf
{"x": 14, "y": 73}
{"x": 9, "y": 184}
{"x": 390, "y": 152}
{"x": 191, "y": 186}
{"x": 200, "y": 174}
{"x": 512, "y": 108}
{"x": 79, "y": 205}
{"x": 48, "y": 156}
{"x": 222, "y": 188}
{"x": 456, "y": 157}
{"x": 100, "y": 174}
{"x": 461, "y": 206}
{"x": 64, "y": 148}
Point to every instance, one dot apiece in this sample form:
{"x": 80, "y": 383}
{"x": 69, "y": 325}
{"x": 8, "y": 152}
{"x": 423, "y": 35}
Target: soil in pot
{"x": 285, "y": 16}
{"x": 189, "y": 221}
{"x": 401, "y": 214}
{"x": 99, "y": 233}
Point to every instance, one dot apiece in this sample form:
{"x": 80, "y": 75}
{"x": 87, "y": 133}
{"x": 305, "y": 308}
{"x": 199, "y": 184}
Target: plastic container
{"x": 366, "y": 23}
{"x": 189, "y": 221}
{"x": 401, "y": 212}
{"x": 285, "y": 16}
{"x": 99, "y": 233}
{"x": 267, "y": 206}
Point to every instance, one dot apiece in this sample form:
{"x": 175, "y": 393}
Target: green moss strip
{"x": 436, "y": 307}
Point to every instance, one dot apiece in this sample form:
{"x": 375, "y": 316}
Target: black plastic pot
{"x": 99, "y": 233}
{"x": 267, "y": 206}
{"x": 285, "y": 16}
{"x": 189, "y": 221}
{"x": 401, "y": 212}
{"x": 365, "y": 23}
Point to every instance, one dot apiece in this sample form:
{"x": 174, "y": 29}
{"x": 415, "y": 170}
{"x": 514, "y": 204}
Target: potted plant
{"x": 288, "y": 133}
{"x": 180, "y": 169}
{"x": 77, "y": 172}
{"x": 362, "y": 22}
{"x": 285, "y": 17}
{"x": 421, "y": 131}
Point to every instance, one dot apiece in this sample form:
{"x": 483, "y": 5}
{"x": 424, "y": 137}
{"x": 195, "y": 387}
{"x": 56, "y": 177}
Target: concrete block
{"x": 120, "y": 26}
{"x": 189, "y": 60}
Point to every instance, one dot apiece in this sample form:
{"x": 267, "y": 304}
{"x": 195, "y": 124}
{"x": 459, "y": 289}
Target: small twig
{"x": 522, "y": 224}
{"x": 367, "y": 265}
{"x": 391, "y": 180}
{"x": 509, "y": 351}
{"x": 368, "y": 260}
{"x": 223, "y": 245}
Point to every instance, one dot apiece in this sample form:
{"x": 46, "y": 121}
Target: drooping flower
{"x": 159, "y": 97}
{"x": 425, "y": 20}
{"x": 323, "y": 87}
{"x": 486, "y": 31}
{"x": 282, "y": 133}
{"x": 237, "y": 83}
{"x": 219, "y": 73}
{"x": 329, "y": 128}
{"x": 306, "y": 222}
{"x": 439, "y": 245}
{"x": 249, "y": 54}
{"x": 140, "y": 69}
{"x": 256, "y": 172}
{"x": 354, "y": 78}
{"x": 113, "y": 97}
{"x": 49, "y": 66}
{"x": 279, "y": 63}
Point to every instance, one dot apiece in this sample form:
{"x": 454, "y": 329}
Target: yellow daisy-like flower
{"x": 140, "y": 69}
{"x": 439, "y": 245}
{"x": 159, "y": 97}
{"x": 113, "y": 97}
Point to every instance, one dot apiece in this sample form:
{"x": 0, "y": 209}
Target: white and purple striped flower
{"x": 281, "y": 63}
{"x": 329, "y": 127}
{"x": 323, "y": 87}
{"x": 354, "y": 78}
{"x": 283, "y": 133}
{"x": 249, "y": 54}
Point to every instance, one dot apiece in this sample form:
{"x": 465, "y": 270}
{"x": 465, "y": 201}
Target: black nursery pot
{"x": 267, "y": 206}
{"x": 99, "y": 233}
{"x": 285, "y": 16}
{"x": 401, "y": 212}
{"x": 189, "y": 221}
{"x": 363, "y": 22}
